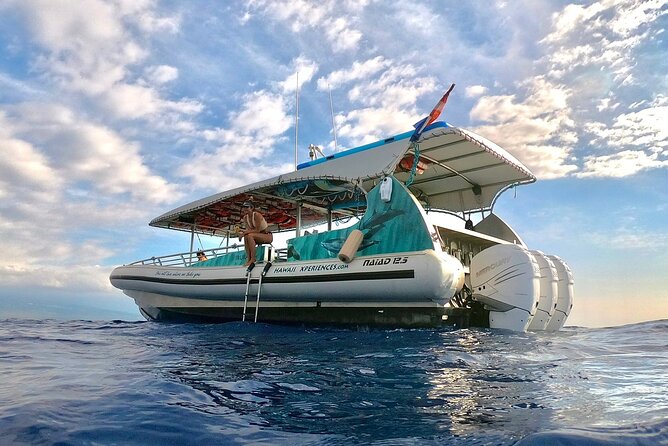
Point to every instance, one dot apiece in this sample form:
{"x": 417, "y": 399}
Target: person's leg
{"x": 261, "y": 238}
{"x": 258, "y": 238}
{"x": 249, "y": 246}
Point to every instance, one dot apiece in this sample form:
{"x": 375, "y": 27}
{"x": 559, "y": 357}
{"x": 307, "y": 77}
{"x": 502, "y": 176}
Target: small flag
{"x": 435, "y": 113}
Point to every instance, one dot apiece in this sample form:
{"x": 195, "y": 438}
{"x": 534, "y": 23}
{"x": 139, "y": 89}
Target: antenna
{"x": 331, "y": 106}
{"x": 297, "y": 120}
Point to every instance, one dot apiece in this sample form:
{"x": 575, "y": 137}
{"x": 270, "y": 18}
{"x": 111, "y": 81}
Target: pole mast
{"x": 331, "y": 107}
{"x": 297, "y": 120}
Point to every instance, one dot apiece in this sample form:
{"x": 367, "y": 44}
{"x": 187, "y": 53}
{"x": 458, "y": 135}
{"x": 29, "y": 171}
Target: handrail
{"x": 186, "y": 258}
{"x": 281, "y": 255}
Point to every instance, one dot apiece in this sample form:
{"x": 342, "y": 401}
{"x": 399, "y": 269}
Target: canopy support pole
{"x": 329, "y": 218}
{"x": 298, "y": 228}
{"x": 192, "y": 242}
{"x": 450, "y": 169}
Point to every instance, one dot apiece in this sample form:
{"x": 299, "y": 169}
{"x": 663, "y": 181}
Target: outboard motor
{"x": 506, "y": 279}
{"x": 564, "y": 295}
{"x": 547, "y": 302}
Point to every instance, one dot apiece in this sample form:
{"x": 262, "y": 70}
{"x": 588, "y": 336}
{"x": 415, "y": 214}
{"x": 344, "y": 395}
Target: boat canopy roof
{"x": 457, "y": 171}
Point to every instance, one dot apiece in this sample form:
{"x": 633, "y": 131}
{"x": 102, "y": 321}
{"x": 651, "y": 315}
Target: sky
{"x": 114, "y": 112}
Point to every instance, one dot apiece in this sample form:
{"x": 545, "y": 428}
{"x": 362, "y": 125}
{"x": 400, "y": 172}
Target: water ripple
{"x": 115, "y": 382}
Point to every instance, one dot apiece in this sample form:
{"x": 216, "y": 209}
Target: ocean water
{"x": 142, "y": 383}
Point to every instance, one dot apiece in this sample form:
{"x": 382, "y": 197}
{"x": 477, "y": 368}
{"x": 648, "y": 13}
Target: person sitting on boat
{"x": 255, "y": 232}
{"x": 201, "y": 256}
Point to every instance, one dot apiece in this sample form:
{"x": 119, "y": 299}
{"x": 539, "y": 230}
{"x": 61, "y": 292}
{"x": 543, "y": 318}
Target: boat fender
{"x": 386, "y": 189}
{"x": 349, "y": 248}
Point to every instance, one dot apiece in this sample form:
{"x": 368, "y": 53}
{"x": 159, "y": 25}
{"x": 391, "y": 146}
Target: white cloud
{"x": 341, "y": 35}
{"x": 131, "y": 101}
{"x": 621, "y": 17}
{"x": 571, "y": 19}
{"x": 66, "y": 186}
{"x": 243, "y": 148}
{"x": 358, "y": 71}
{"x": 161, "y": 74}
{"x": 19, "y": 87}
{"x": 87, "y": 23}
{"x": 417, "y": 18}
{"x": 631, "y": 238}
{"x": 303, "y": 67}
{"x": 90, "y": 48}
{"x": 386, "y": 103}
{"x": 625, "y": 163}
{"x": 328, "y": 17}
{"x": 26, "y": 177}
{"x": 263, "y": 114}
{"x": 603, "y": 34}
{"x": 366, "y": 125}
{"x": 645, "y": 128}
{"x": 537, "y": 129}
{"x": 80, "y": 278}
{"x": 475, "y": 91}
{"x": 149, "y": 22}
{"x": 82, "y": 151}
{"x": 644, "y": 136}
{"x": 590, "y": 58}
{"x": 605, "y": 104}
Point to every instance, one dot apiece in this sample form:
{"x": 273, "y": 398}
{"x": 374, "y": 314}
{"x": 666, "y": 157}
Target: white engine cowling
{"x": 547, "y": 301}
{"x": 506, "y": 279}
{"x": 564, "y": 295}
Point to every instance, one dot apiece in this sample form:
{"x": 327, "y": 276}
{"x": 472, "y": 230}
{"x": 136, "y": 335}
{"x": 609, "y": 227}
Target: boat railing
{"x": 281, "y": 255}
{"x": 187, "y": 258}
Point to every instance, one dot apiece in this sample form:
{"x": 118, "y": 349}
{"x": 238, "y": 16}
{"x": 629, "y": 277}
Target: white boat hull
{"x": 407, "y": 289}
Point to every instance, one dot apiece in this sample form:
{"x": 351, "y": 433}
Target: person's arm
{"x": 249, "y": 221}
{"x": 244, "y": 226}
{"x": 255, "y": 226}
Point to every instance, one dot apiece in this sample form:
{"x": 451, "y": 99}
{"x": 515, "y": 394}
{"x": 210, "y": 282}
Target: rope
{"x": 357, "y": 201}
{"x": 416, "y": 158}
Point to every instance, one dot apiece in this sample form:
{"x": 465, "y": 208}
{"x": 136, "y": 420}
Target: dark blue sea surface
{"x": 85, "y": 383}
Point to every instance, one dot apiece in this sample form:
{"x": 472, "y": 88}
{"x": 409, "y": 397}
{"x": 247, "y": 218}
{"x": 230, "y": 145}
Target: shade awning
{"x": 462, "y": 171}
{"x": 457, "y": 171}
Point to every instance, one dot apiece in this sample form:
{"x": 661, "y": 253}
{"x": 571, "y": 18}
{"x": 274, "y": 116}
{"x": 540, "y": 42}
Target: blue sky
{"x": 113, "y": 112}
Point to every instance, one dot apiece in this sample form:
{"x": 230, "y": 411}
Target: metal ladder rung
{"x": 248, "y": 279}
{"x": 267, "y": 265}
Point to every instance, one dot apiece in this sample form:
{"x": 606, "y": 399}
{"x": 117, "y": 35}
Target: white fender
{"x": 506, "y": 278}
{"x": 564, "y": 294}
{"x": 452, "y": 274}
{"x": 547, "y": 301}
{"x": 386, "y": 189}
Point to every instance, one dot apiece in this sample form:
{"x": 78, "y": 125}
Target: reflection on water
{"x": 145, "y": 383}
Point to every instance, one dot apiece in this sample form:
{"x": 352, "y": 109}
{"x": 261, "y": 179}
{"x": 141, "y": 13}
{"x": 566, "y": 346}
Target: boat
{"x": 381, "y": 235}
